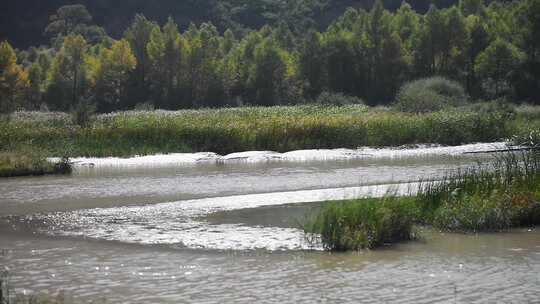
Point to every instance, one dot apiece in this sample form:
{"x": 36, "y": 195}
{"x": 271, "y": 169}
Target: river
{"x": 204, "y": 228}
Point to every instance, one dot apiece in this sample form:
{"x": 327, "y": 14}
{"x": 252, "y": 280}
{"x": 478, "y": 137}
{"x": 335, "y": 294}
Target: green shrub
{"x": 430, "y": 95}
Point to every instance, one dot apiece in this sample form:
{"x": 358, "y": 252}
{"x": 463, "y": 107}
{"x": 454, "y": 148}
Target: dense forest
{"x": 493, "y": 50}
{"x": 22, "y": 22}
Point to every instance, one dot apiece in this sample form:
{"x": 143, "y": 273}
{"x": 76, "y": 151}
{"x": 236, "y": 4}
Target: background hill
{"x": 22, "y": 22}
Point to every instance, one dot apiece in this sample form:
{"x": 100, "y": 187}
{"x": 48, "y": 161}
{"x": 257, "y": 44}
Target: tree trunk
{"x": 75, "y": 80}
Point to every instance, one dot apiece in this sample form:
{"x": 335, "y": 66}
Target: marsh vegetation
{"x": 253, "y": 128}
{"x": 487, "y": 198}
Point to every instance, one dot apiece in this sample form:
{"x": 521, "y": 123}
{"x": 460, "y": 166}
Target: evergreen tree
{"x": 478, "y": 40}
{"x": 311, "y": 64}
{"x": 164, "y": 52}
{"x": 67, "y": 19}
{"x": 497, "y": 65}
{"x": 342, "y": 63}
{"x": 529, "y": 40}
{"x": 138, "y": 35}
{"x": 266, "y": 80}
{"x": 429, "y": 43}
{"x": 472, "y": 7}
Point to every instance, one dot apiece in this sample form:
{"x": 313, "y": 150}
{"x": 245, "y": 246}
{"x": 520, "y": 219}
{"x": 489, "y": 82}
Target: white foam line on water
{"x": 268, "y": 156}
{"x": 180, "y": 223}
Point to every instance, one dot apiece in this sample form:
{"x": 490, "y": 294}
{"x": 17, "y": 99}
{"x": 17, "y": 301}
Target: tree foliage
{"x": 498, "y": 64}
{"x": 67, "y": 80}
{"x": 366, "y": 53}
{"x": 111, "y": 75}
{"x": 13, "y": 80}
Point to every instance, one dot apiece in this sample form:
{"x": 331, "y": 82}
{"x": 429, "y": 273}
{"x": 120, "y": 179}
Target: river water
{"x": 204, "y": 228}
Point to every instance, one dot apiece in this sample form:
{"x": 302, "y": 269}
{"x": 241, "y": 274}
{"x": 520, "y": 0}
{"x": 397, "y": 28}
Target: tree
{"x": 392, "y": 69}
{"x": 529, "y": 40}
{"x": 385, "y": 59}
{"x": 164, "y": 52}
{"x": 67, "y": 19}
{"x": 438, "y": 48}
{"x": 74, "y": 20}
{"x": 375, "y": 33}
{"x": 283, "y": 35}
{"x": 236, "y": 68}
{"x": 228, "y": 42}
{"x": 341, "y": 58}
{"x": 202, "y": 59}
{"x": 112, "y": 74}
{"x": 36, "y": 79}
{"x": 67, "y": 80}
{"x": 311, "y": 63}
{"x": 472, "y": 7}
{"x": 405, "y": 21}
{"x": 478, "y": 40}
{"x": 454, "y": 44}
{"x": 13, "y": 80}
{"x": 501, "y": 21}
{"x": 497, "y": 65}
{"x": 138, "y": 35}
{"x": 428, "y": 43}
{"x": 268, "y": 73}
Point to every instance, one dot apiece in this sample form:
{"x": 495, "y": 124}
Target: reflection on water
{"x": 182, "y": 223}
{"x": 203, "y": 228}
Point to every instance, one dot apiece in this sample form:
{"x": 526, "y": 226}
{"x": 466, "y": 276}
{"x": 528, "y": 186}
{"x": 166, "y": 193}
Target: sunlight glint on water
{"x": 218, "y": 229}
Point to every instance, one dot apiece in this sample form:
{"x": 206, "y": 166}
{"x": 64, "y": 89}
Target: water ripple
{"x": 183, "y": 223}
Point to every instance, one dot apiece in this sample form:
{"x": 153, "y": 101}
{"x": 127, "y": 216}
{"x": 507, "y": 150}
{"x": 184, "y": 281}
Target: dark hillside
{"x": 22, "y": 21}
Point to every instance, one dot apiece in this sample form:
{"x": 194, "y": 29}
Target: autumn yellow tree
{"x": 13, "y": 79}
{"x": 68, "y": 75}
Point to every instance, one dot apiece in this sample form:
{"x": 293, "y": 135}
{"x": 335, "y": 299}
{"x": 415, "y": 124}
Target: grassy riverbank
{"x": 486, "y": 198}
{"x": 30, "y": 163}
{"x": 252, "y": 128}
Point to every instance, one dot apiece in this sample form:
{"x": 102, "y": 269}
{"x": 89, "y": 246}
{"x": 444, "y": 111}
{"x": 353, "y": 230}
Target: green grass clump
{"x": 30, "y": 163}
{"x": 251, "y": 128}
{"x": 364, "y": 223}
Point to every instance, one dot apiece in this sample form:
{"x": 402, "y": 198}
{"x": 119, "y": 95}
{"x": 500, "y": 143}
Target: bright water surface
{"x": 201, "y": 228}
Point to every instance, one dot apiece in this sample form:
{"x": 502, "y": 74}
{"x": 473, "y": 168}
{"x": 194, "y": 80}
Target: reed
{"x": 28, "y": 162}
{"x": 490, "y": 197}
{"x": 485, "y": 198}
{"x": 364, "y": 223}
{"x": 252, "y": 128}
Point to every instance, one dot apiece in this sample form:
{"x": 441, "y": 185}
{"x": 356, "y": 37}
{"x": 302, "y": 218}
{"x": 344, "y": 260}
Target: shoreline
{"x": 315, "y": 155}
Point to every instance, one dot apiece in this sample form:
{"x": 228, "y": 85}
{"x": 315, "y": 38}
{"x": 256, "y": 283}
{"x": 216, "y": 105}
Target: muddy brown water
{"x": 226, "y": 231}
